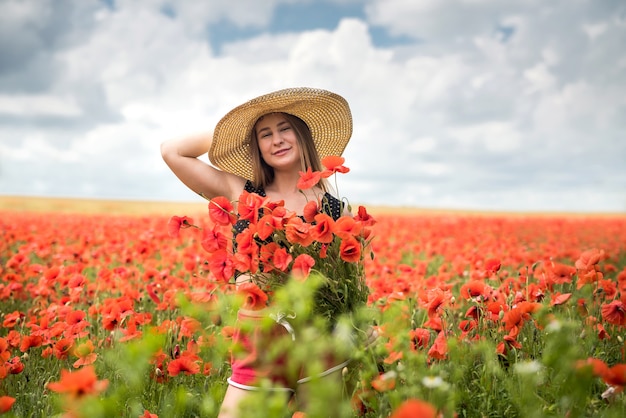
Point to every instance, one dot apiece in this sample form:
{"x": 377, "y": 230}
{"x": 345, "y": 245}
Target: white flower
{"x": 391, "y": 374}
{"x": 434, "y": 382}
{"x": 528, "y": 367}
{"x": 609, "y": 393}
{"x": 554, "y": 326}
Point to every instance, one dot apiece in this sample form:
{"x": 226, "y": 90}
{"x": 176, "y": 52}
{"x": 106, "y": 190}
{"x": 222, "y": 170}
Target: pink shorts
{"x": 261, "y": 353}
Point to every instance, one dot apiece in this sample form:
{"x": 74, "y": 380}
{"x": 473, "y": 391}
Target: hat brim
{"x": 327, "y": 115}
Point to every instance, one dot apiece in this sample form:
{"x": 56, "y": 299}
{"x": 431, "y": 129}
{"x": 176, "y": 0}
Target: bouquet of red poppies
{"x": 277, "y": 245}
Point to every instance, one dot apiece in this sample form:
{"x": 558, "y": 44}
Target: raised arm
{"x": 181, "y": 155}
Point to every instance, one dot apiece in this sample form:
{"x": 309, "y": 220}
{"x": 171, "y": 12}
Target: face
{"x": 278, "y": 143}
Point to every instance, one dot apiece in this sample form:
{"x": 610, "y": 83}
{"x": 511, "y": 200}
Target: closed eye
{"x": 264, "y": 133}
{"x": 284, "y": 126}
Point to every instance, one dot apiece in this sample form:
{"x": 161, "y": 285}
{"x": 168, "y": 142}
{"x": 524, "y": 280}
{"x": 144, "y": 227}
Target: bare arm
{"x": 181, "y": 155}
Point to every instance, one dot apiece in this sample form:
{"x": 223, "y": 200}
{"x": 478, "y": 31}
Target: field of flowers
{"x": 477, "y": 316}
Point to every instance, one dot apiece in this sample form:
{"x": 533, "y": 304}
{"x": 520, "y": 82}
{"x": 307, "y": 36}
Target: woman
{"x": 261, "y": 146}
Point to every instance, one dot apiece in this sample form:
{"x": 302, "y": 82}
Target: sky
{"x": 516, "y": 105}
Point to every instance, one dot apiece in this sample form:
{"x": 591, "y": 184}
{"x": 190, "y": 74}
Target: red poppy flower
{"x": 254, "y": 298}
{"x": 267, "y": 225}
{"x": 281, "y": 259}
{"x": 420, "y": 338}
{"x": 266, "y": 253}
{"x": 310, "y": 210}
{"x": 597, "y": 366}
{"x": 78, "y": 383}
{"x": 514, "y": 319}
{"x": 529, "y": 307}
{"x": 297, "y": 232}
{"x": 278, "y": 210}
{"x": 364, "y": 218}
{"x": 602, "y": 333}
{"x": 302, "y": 266}
{"x": 350, "y": 250}
{"x": 509, "y": 341}
{"x": 246, "y": 244}
{"x": 52, "y": 273}
{"x": 177, "y": 223}
{"x": 393, "y": 357}
{"x": 492, "y": 265}
{"x": 15, "y": 365}
{"x": 248, "y": 206}
{"x": 476, "y": 289}
{"x": 188, "y": 327}
{"x": 439, "y": 349}
{"x": 221, "y": 211}
{"x": 221, "y": 266}
{"x": 334, "y": 164}
{"x": 30, "y": 341}
{"x": 76, "y": 280}
{"x": 560, "y": 273}
{"x": 437, "y": 297}
{"x": 183, "y": 364}
{"x": 384, "y": 382}
{"x": 616, "y": 375}
{"x": 560, "y": 298}
{"x": 11, "y": 319}
{"x": 614, "y": 312}
{"x": 346, "y": 226}
{"x": 153, "y": 290}
{"x": 62, "y": 348}
{"x": 323, "y": 229}
{"x": 414, "y": 408}
{"x": 6, "y": 402}
{"x": 588, "y": 259}
{"x": 245, "y": 263}
{"x": 308, "y": 179}
{"x": 75, "y": 317}
{"x": 213, "y": 239}
{"x": 14, "y": 338}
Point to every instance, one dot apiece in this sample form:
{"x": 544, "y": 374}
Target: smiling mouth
{"x": 281, "y": 151}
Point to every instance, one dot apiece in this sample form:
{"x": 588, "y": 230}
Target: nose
{"x": 277, "y": 138}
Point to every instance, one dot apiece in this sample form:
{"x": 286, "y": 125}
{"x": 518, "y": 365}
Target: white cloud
{"x": 38, "y": 105}
{"x": 497, "y": 137}
{"x": 421, "y": 145}
{"x": 37, "y": 148}
{"x": 440, "y": 20}
{"x": 595, "y": 30}
{"x": 539, "y": 78}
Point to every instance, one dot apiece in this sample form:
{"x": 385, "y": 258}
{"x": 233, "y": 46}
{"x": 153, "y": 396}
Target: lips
{"x": 281, "y": 151}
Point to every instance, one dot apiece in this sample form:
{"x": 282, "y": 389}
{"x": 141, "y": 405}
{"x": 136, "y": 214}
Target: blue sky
{"x": 462, "y": 104}
{"x": 298, "y": 17}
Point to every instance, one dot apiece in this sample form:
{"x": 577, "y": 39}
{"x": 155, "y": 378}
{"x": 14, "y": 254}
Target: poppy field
{"x": 476, "y": 315}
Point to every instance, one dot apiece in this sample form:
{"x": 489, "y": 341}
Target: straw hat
{"x": 326, "y": 114}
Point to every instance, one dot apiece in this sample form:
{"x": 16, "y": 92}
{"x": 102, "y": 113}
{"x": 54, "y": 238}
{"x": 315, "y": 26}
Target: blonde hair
{"x": 309, "y": 157}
